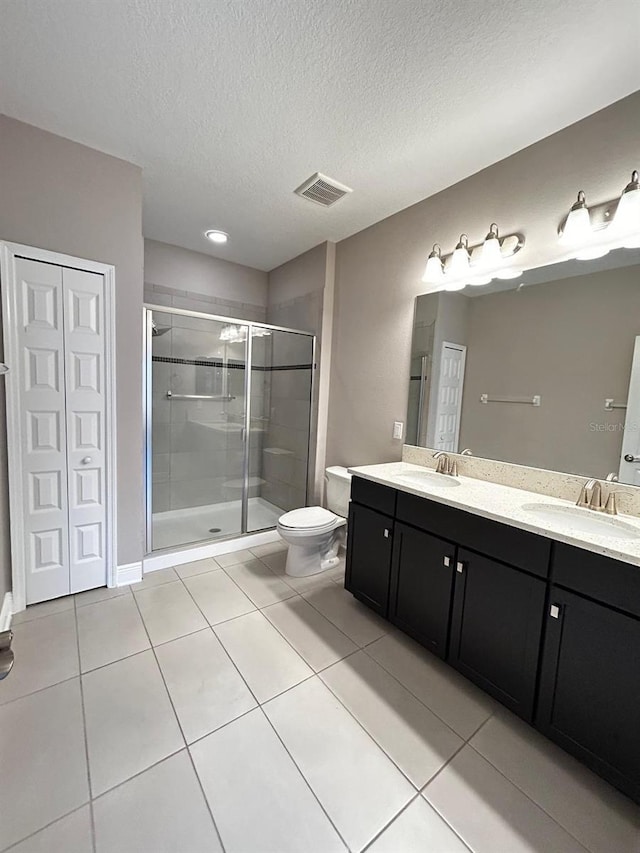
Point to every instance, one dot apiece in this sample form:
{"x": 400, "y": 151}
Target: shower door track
{"x": 148, "y": 309}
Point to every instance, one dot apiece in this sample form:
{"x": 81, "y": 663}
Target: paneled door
{"x": 57, "y": 414}
{"x": 449, "y": 399}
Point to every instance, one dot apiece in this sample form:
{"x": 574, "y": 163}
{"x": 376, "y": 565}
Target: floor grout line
{"x": 51, "y": 823}
{"x": 85, "y": 734}
{"x": 184, "y": 738}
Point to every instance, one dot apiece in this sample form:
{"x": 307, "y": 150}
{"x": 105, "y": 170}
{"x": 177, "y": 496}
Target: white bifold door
{"x": 58, "y": 407}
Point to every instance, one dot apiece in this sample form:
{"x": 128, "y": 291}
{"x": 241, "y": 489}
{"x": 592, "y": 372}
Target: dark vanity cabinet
{"x": 370, "y": 542}
{"x": 590, "y": 678}
{"x": 496, "y": 629}
{"x": 551, "y": 631}
{"x": 421, "y": 587}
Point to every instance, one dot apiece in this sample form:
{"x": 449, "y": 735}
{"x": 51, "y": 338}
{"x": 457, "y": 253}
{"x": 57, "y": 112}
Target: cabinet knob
{"x": 460, "y": 567}
{"x": 554, "y": 611}
{"x": 447, "y": 561}
{"x": 387, "y": 533}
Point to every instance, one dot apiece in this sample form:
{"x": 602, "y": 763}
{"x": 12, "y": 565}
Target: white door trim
{"x": 8, "y": 253}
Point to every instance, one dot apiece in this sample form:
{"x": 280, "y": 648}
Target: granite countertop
{"x": 506, "y": 504}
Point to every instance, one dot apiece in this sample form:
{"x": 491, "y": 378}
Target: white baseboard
{"x": 129, "y": 573}
{"x": 212, "y": 549}
{"x": 6, "y": 612}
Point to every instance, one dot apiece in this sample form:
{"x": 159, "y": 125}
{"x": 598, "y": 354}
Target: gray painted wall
{"x": 378, "y": 271}
{"x": 198, "y": 282}
{"x": 68, "y": 198}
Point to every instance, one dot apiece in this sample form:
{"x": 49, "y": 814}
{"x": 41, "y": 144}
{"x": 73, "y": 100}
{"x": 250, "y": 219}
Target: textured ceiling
{"x": 228, "y": 105}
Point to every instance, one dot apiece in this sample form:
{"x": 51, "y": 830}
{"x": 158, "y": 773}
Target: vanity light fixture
{"x": 461, "y": 259}
{"x": 473, "y": 265}
{"x": 592, "y": 233}
{"x": 216, "y": 236}
{"x": 626, "y": 222}
{"x": 434, "y": 270}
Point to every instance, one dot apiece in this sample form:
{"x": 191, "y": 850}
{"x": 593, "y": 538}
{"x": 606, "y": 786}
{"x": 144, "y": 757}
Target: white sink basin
{"x": 583, "y": 520}
{"x": 428, "y": 478}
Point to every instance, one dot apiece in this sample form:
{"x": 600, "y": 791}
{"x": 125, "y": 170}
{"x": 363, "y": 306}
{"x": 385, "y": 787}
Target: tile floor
{"x": 224, "y": 706}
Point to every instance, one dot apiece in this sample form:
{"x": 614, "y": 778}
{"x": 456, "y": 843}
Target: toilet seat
{"x": 311, "y": 519}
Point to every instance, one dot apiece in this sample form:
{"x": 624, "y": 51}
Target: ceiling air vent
{"x": 322, "y": 190}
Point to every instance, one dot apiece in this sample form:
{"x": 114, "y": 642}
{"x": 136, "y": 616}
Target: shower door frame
{"x": 147, "y": 313}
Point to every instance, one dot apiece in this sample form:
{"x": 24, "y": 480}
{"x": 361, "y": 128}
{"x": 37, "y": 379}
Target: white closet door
{"x": 84, "y": 333}
{"x": 450, "y": 384}
{"x": 40, "y": 338}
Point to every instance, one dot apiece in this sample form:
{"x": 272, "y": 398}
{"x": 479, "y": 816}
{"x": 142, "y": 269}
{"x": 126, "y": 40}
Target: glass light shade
{"x": 626, "y": 222}
{"x": 459, "y": 261}
{"x": 577, "y": 228}
{"x": 455, "y": 285}
{"x": 491, "y": 255}
{"x": 508, "y": 273}
{"x": 433, "y": 272}
{"x": 479, "y": 280}
{"x": 590, "y": 253}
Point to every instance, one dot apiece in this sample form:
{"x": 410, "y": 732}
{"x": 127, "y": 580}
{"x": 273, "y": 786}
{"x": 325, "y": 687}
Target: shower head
{"x": 157, "y": 331}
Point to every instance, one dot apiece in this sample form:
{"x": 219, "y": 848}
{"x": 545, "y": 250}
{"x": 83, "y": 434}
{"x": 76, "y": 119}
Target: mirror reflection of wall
{"x": 566, "y": 334}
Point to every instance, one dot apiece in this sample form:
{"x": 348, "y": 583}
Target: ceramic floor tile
{"x": 109, "y": 631}
{"x": 595, "y": 813}
{"x": 198, "y": 567}
{"x": 490, "y": 814}
{"x": 70, "y": 834}
{"x": 162, "y": 810}
{"x": 46, "y": 608}
{"x": 259, "y": 800}
{"x": 233, "y": 558}
{"x": 414, "y": 738}
{"x": 454, "y": 699}
{"x": 43, "y": 760}
{"x": 419, "y": 829}
{"x": 259, "y": 583}
{"x": 360, "y": 788}
{"x": 169, "y": 612}
{"x": 218, "y": 597}
{"x": 267, "y": 662}
{"x": 269, "y": 548}
{"x": 130, "y": 722}
{"x": 205, "y": 687}
{"x": 315, "y": 639}
{"x": 353, "y": 618}
{"x": 102, "y": 593}
{"x": 46, "y": 652}
{"x": 156, "y": 578}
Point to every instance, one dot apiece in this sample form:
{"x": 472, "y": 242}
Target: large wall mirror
{"x": 544, "y": 371}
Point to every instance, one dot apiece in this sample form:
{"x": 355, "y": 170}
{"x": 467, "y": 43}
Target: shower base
{"x": 195, "y": 524}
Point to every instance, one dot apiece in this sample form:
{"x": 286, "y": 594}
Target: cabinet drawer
{"x": 609, "y": 581}
{"x": 373, "y": 495}
{"x": 508, "y": 544}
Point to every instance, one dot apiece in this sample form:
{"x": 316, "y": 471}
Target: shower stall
{"x": 228, "y": 423}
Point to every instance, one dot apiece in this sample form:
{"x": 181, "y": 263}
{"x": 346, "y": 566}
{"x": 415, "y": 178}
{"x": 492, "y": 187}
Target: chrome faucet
{"x": 445, "y": 465}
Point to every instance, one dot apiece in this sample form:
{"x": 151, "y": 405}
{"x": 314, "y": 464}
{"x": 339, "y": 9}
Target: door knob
{"x": 86, "y": 460}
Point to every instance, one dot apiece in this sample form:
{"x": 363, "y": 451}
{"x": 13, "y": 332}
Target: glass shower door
{"x": 279, "y": 424}
{"x": 197, "y": 431}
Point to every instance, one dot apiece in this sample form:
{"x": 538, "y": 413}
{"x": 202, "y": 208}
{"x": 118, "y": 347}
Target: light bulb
{"x": 590, "y": 253}
{"x": 460, "y": 258}
{"x": 216, "y": 236}
{"x": 626, "y": 222}
{"x": 479, "y": 280}
{"x": 491, "y": 255}
{"x": 455, "y": 285}
{"x": 434, "y": 270}
{"x": 577, "y": 228}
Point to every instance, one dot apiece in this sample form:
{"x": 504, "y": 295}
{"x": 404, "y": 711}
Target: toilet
{"x": 314, "y": 534}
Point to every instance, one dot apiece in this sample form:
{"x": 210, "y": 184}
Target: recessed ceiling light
{"x": 216, "y": 236}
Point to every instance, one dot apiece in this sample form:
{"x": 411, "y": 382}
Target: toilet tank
{"x": 338, "y": 490}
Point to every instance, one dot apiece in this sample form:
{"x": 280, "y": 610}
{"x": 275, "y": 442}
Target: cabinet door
{"x": 421, "y": 587}
{"x": 496, "y": 629}
{"x": 369, "y": 556}
{"x": 590, "y": 687}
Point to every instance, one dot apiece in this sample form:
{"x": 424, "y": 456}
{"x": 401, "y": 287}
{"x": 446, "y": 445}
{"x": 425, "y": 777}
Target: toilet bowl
{"x": 314, "y": 534}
